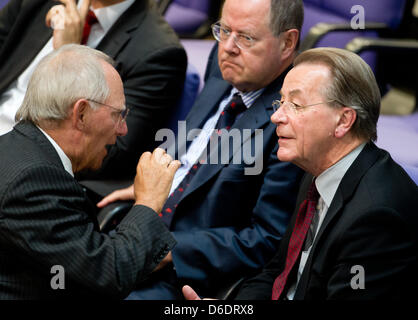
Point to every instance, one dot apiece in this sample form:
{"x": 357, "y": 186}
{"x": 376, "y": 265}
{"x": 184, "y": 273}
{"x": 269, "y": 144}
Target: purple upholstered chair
{"x": 327, "y": 22}
{"x": 3, "y": 3}
{"x": 399, "y": 136}
{"x": 198, "y": 51}
{"x": 186, "y": 16}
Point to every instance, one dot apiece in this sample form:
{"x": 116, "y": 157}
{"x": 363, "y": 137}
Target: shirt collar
{"x": 107, "y": 16}
{"x": 328, "y": 181}
{"x": 66, "y": 162}
{"x": 248, "y": 97}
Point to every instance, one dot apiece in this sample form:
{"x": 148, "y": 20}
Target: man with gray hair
{"x": 228, "y": 222}
{"x": 73, "y": 108}
{"x": 353, "y": 234}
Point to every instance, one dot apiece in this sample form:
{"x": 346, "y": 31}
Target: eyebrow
{"x": 292, "y": 93}
{"x": 243, "y": 32}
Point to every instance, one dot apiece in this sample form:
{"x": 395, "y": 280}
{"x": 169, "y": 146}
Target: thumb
{"x": 190, "y": 294}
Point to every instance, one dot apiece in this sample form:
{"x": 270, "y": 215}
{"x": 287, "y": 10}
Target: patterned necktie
{"x": 90, "y": 20}
{"x": 225, "y": 121}
{"x": 303, "y": 222}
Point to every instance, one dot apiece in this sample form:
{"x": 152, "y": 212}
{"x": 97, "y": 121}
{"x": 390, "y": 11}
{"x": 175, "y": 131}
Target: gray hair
{"x": 64, "y": 76}
{"x": 285, "y": 15}
{"x": 353, "y": 85}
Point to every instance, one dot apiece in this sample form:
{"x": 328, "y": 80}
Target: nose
{"x": 279, "y": 117}
{"x": 122, "y": 129}
{"x": 230, "y": 45}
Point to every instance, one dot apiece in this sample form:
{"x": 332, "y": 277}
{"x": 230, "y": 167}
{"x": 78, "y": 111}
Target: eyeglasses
{"x": 296, "y": 108}
{"x": 123, "y": 113}
{"x": 242, "y": 40}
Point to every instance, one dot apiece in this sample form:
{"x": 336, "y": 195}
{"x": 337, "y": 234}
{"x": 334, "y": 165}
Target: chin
{"x": 284, "y": 157}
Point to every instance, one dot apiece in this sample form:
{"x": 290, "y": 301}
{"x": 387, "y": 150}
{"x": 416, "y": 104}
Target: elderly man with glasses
{"x": 353, "y": 234}
{"x": 48, "y": 224}
{"x": 228, "y": 217}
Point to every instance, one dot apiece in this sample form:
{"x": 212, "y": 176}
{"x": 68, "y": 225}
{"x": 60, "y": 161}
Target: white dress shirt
{"x": 12, "y": 98}
{"x": 199, "y": 144}
{"x": 327, "y": 184}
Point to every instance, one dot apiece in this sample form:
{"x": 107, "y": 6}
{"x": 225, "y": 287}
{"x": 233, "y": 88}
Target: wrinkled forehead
{"x": 246, "y": 16}
{"x": 306, "y": 79}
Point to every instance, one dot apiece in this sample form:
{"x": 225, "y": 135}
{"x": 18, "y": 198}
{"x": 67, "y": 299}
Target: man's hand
{"x": 121, "y": 194}
{"x": 189, "y": 293}
{"x": 67, "y": 21}
{"x": 154, "y": 176}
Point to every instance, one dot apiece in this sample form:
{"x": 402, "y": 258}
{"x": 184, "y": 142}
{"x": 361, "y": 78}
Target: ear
{"x": 79, "y": 114}
{"x": 289, "y": 42}
{"x": 346, "y": 120}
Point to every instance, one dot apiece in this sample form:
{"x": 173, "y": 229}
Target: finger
{"x": 144, "y": 157}
{"x": 173, "y": 166}
{"x": 166, "y": 159}
{"x": 190, "y": 294}
{"x": 122, "y": 194}
{"x": 84, "y": 9}
{"x": 54, "y": 11}
{"x": 70, "y": 5}
{"x": 158, "y": 153}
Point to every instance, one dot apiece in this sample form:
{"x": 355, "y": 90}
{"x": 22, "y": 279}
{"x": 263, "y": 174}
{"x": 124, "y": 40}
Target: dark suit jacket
{"x": 372, "y": 222}
{"x": 227, "y": 223}
{"x": 149, "y": 57}
{"x": 46, "y": 220}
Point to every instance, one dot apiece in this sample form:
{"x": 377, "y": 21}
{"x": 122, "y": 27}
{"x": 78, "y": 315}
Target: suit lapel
{"x": 120, "y": 33}
{"x": 347, "y": 187}
{"x": 257, "y": 116}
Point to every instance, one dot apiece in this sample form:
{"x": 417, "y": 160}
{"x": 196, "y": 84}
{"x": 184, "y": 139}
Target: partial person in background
{"x": 354, "y": 233}
{"x": 149, "y": 58}
{"x": 74, "y": 106}
{"x": 228, "y": 217}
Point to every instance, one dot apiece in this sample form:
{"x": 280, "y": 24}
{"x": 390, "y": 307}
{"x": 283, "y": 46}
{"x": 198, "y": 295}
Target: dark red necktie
{"x": 225, "y": 121}
{"x": 90, "y": 20}
{"x": 303, "y": 222}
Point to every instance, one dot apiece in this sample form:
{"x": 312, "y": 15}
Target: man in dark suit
{"x": 229, "y": 218}
{"x": 47, "y": 223}
{"x": 148, "y": 55}
{"x": 356, "y": 218}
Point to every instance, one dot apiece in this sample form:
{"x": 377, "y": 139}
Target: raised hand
{"x": 67, "y": 21}
{"x": 154, "y": 176}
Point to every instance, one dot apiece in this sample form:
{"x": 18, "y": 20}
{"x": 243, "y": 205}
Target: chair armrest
{"x": 110, "y": 216}
{"x": 321, "y": 29}
{"x": 229, "y": 291}
{"x": 359, "y": 44}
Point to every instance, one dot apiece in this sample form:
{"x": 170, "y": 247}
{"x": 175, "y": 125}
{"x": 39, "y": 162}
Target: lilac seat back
{"x": 3, "y": 3}
{"x": 186, "y": 16}
{"x": 197, "y": 54}
{"x": 330, "y": 11}
{"x": 399, "y": 136}
{"x": 189, "y": 94}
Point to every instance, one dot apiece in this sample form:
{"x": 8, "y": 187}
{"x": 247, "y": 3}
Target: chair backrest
{"x": 399, "y": 135}
{"x": 189, "y": 94}
{"x": 198, "y": 51}
{"x": 186, "y": 16}
{"x": 389, "y": 12}
{"x": 3, "y": 3}
{"x": 412, "y": 171}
